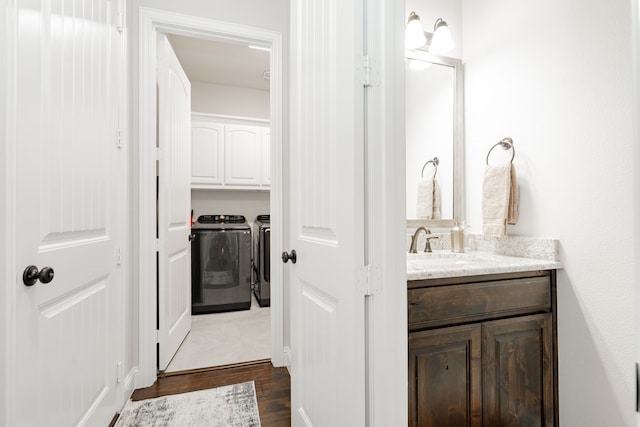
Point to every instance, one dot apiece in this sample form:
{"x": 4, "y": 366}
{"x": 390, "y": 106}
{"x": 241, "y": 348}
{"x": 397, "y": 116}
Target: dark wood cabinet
{"x": 445, "y": 385}
{"x": 482, "y": 351}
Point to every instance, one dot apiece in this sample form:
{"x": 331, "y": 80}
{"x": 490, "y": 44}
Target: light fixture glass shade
{"x": 441, "y": 41}
{"x": 414, "y": 33}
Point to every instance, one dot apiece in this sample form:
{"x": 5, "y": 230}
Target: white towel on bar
{"x": 499, "y": 199}
{"x": 436, "y": 199}
{"x": 428, "y": 201}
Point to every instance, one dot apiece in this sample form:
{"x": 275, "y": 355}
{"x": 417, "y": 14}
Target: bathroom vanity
{"x": 482, "y": 340}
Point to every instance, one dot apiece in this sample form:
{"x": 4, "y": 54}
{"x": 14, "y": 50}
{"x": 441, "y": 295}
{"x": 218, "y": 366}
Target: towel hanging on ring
{"x": 500, "y": 197}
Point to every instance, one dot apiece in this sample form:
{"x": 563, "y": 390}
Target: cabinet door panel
{"x": 266, "y": 157}
{"x": 444, "y": 377}
{"x": 206, "y": 153}
{"x": 242, "y": 149}
{"x": 518, "y": 371}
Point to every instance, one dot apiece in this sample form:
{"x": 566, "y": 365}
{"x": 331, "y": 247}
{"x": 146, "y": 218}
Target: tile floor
{"x": 223, "y": 338}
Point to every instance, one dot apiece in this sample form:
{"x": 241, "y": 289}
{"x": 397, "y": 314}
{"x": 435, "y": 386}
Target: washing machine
{"x": 261, "y": 259}
{"x": 220, "y": 264}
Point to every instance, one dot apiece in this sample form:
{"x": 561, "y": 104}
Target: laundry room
{"x": 230, "y": 202}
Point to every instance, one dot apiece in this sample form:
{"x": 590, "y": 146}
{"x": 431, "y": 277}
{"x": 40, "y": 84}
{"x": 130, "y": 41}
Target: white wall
{"x": 241, "y": 202}
{"x": 556, "y": 77}
{"x": 229, "y": 100}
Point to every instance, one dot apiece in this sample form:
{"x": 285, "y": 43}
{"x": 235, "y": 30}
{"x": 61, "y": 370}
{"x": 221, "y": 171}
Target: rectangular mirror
{"x": 434, "y": 129}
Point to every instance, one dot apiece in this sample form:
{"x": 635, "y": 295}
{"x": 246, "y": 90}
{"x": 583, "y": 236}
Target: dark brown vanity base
{"x": 483, "y": 350}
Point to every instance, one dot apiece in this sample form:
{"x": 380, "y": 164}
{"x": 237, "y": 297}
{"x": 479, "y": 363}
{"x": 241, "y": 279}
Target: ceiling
{"x": 221, "y": 63}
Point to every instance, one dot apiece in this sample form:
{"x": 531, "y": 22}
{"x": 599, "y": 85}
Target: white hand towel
{"x": 424, "y": 205}
{"x": 512, "y": 216}
{"x": 499, "y": 199}
{"x": 436, "y": 200}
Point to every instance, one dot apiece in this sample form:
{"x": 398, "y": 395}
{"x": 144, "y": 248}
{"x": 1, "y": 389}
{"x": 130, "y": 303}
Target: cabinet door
{"x": 444, "y": 377}
{"x": 518, "y": 371}
{"x": 206, "y": 154}
{"x": 266, "y": 157}
{"x": 242, "y": 151}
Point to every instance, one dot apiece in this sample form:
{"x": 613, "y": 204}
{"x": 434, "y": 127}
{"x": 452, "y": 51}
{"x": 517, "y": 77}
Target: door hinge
{"x": 369, "y": 280}
{"x": 157, "y": 245}
{"x": 157, "y": 336}
{"x": 368, "y": 71}
{"x": 120, "y": 25}
{"x": 119, "y": 139}
{"x": 118, "y": 256}
{"x": 119, "y": 372}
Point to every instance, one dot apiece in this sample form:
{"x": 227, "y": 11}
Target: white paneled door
{"x": 327, "y": 210}
{"x": 68, "y": 199}
{"x": 174, "y": 203}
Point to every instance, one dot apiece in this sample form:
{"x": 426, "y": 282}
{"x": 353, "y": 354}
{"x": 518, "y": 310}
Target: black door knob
{"x": 192, "y": 236}
{"x": 286, "y": 257}
{"x": 31, "y": 275}
{"x": 46, "y": 274}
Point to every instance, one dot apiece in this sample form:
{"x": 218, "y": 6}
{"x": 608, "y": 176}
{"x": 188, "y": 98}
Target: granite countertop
{"x": 486, "y": 256}
{"x": 438, "y": 264}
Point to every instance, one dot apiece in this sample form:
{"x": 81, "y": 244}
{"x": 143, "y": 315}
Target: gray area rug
{"x": 228, "y": 406}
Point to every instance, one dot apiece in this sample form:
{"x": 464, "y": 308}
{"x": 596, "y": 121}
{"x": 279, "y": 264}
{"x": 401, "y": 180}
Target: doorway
{"x": 151, "y": 23}
{"x": 230, "y": 95}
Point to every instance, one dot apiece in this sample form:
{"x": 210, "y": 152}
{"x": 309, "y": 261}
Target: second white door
{"x": 174, "y": 203}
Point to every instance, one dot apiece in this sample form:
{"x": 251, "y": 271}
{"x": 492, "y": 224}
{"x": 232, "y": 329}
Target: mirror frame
{"x": 458, "y": 140}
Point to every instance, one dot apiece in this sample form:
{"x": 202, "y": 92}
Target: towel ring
{"x": 505, "y": 143}
{"x": 436, "y": 162}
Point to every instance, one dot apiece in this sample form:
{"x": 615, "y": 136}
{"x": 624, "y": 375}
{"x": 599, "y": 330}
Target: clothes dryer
{"x": 261, "y": 260}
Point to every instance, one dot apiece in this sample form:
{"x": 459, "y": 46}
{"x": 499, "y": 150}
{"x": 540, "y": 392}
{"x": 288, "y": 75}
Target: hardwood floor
{"x": 273, "y": 389}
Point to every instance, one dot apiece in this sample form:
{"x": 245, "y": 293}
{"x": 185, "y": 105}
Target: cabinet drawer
{"x": 456, "y": 304}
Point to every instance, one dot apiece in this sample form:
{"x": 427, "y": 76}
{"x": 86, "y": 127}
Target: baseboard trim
{"x": 287, "y": 358}
{"x": 129, "y": 383}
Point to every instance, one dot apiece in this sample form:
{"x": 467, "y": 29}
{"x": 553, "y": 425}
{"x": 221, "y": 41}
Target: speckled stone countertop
{"x": 485, "y": 255}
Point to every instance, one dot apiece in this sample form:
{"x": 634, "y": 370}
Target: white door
{"x": 174, "y": 190}
{"x": 327, "y": 227}
{"x": 68, "y": 199}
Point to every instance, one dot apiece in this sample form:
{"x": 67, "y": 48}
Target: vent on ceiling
{"x": 266, "y": 75}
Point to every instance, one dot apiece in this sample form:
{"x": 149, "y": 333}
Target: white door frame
{"x": 8, "y": 271}
{"x": 153, "y": 21}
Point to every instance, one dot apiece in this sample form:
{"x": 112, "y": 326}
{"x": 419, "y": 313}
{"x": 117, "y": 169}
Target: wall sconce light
{"x": 439, "y": 42}
{"x": 414, "y": 33}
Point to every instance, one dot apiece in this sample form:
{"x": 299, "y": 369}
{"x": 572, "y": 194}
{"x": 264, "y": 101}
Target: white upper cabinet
{"x": 266, "y": 157}
{"x": 207, "y": 153}
{"x": 242, "y": 155}
{"x": 230, "y": 156}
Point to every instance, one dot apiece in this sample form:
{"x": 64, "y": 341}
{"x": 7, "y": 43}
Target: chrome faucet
{"x": 414, "y": 240}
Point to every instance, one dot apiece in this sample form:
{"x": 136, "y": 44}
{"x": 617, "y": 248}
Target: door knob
{"x": 292, "y": 256}
{"x": 31, "y": 275}
{"x": 192, "y": 237}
